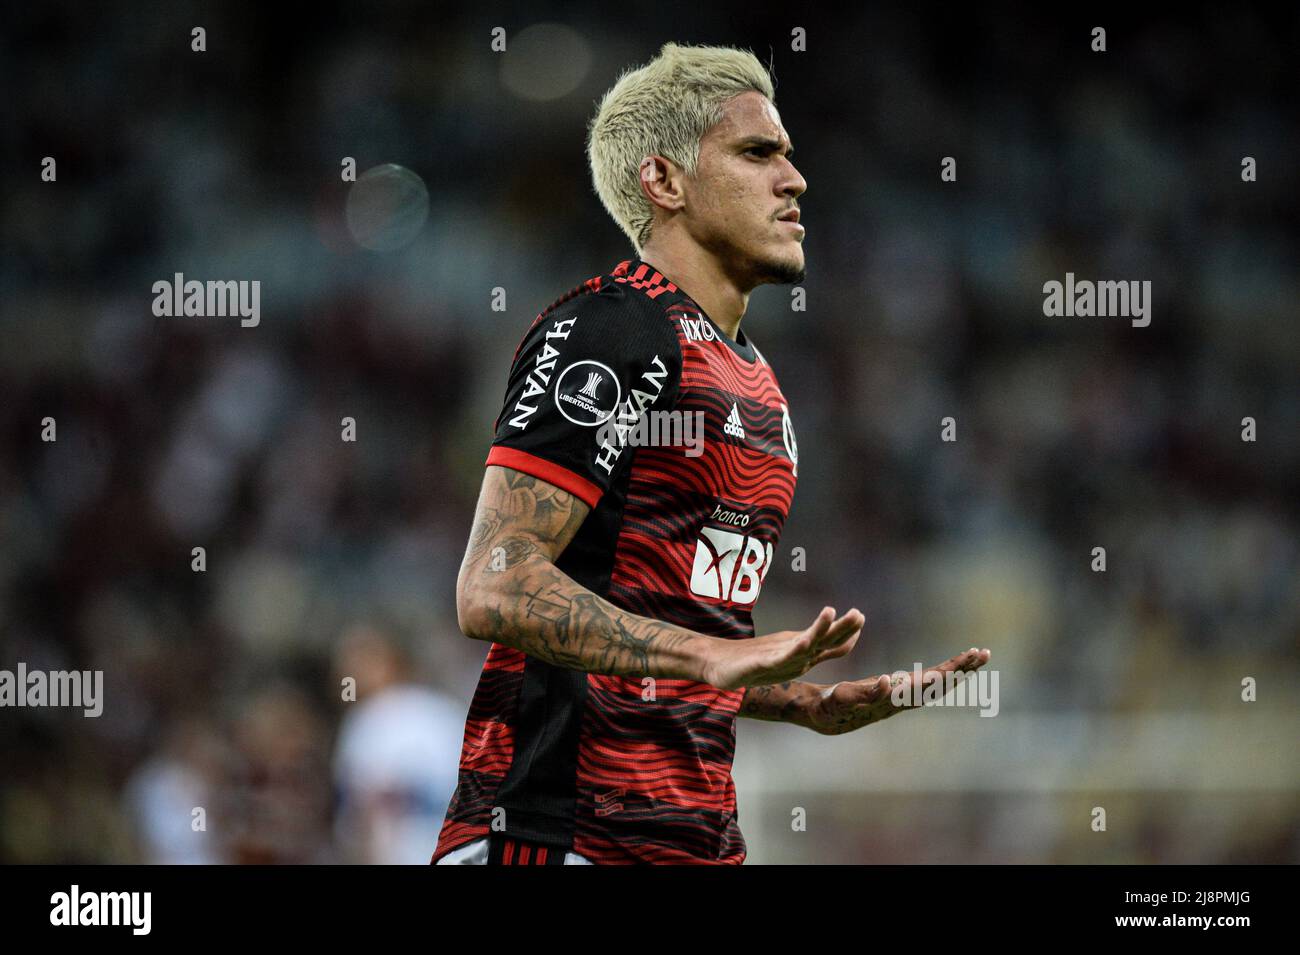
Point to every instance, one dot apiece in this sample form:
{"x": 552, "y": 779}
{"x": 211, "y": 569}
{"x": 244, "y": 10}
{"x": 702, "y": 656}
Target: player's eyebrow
{"x": 771, "y": 145}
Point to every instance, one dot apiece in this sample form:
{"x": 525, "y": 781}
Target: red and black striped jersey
{"x": 625, "y": 393}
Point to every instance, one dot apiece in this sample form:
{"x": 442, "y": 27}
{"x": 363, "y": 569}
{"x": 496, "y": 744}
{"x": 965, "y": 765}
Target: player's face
{"x": 743, "y": 186}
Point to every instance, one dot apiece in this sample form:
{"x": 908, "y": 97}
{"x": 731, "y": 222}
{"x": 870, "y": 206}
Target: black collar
{"x": 740, "y": 345}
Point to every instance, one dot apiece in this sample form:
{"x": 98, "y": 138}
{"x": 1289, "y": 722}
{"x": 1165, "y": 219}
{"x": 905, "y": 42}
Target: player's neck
{"x": 703, "y": 279}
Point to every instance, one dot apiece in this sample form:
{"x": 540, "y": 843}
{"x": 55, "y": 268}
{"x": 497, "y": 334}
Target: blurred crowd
{"x": 301, "y": 698}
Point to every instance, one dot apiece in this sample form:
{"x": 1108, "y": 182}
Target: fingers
{"x": 860, "y": 692}
{"x": 793, "y": 653}
{"x": 838, "y": 651}
{"x": 962, "y": 664}
{"x": 821, "y": 623}
{"x": 829, "y": 638}
{"x": 966, "y": 662}
{"x": 846, "y": 626}
{"x": 858, "y": 702}
{"x": 875, "y": 688}
{"x": 827, "y": 632}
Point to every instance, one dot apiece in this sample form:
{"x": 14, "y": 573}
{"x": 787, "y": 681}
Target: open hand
{"x": 855, "y": 703}
{"x": 781, "y": 656}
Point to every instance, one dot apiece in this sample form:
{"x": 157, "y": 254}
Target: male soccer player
{"x": 614, "y": 578}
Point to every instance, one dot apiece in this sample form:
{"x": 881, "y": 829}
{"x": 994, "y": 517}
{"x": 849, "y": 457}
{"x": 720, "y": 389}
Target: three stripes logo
{"x": 734, "y": 426}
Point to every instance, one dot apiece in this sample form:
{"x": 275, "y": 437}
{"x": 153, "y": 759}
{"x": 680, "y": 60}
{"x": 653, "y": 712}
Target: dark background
{"x": 327, "y": 559}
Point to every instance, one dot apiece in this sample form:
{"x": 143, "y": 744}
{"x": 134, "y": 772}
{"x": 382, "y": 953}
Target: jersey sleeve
{"x": 582, "y": 377}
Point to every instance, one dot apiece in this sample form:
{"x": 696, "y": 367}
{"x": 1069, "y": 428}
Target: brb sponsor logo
{"x": 730, "y": 564}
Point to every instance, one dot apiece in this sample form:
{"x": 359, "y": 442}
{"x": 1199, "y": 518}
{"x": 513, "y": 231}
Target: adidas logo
{"x": 733, "y": 426}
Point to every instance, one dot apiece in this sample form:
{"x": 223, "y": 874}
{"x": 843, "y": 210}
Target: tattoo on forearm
{"x": 554, "y": 610}
{"x": 539, "y": 609}
{"x": 513, "y": 551}
{"x": 485, "y": 529}
{"x": 546, "y": 614}
{"x": 785, "y": 702}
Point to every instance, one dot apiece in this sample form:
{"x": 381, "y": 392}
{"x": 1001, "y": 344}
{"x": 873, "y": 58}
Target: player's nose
{"x": 792, "y": 183}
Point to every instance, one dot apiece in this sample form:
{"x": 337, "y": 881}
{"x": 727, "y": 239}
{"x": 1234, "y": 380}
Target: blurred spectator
{"x": 165, "y": 792}
{"x": 396, "y": 757}
{"x": 277, "y": 809}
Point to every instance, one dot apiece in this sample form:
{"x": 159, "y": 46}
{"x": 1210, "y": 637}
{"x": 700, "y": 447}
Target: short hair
{"x": 663, "y": 109}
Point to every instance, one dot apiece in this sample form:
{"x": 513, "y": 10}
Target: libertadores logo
{"x": 580, "y": 396}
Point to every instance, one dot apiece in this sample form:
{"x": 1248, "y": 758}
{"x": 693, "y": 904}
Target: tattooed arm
{"x": 509, "y": 591}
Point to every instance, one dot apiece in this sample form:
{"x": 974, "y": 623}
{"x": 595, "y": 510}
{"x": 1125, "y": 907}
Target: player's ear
{"x": 661, "y": 183}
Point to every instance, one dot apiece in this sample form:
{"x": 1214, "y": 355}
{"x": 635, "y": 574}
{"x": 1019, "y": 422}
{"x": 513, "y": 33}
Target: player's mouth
{"x": 791, "y": 216}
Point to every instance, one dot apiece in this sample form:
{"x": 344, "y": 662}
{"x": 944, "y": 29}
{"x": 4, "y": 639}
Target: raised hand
{"x": 775, "y": 657}
{"x": 856, "y": 703}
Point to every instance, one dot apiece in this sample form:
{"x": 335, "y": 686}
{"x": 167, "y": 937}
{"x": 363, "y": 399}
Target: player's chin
{"x": 784, "y": 266}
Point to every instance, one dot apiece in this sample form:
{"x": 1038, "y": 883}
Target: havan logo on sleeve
{"x": 539, "y": 378}
{"x": 613, "y": 436}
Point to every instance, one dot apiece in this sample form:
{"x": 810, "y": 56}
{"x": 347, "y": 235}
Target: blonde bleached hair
{"x": 663, "y": 109}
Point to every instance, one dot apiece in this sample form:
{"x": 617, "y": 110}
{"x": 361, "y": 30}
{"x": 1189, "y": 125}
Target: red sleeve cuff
{"x": 544, "y": 470}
